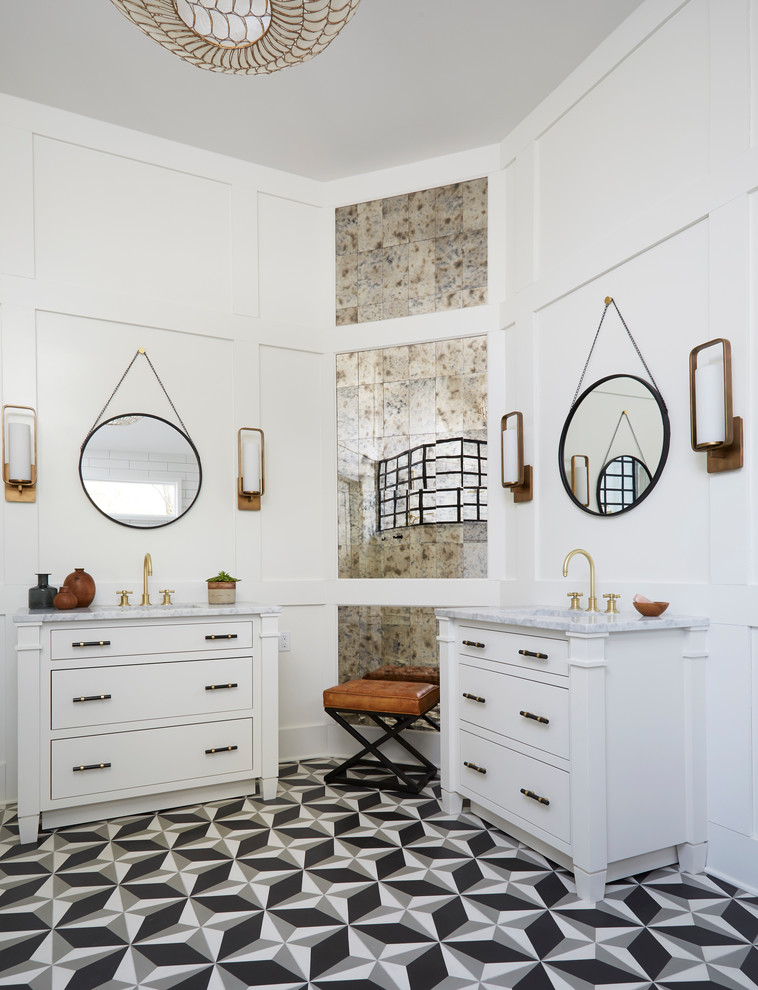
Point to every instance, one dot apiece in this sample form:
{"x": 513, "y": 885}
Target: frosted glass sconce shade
{"x": 251, "y": 478}
{"x": 514, "y": 473}
{"x": 244, "y": 37}
{"x": 20, "y": 453}
{"x": 580, "y": 478}
{"x": 714, "y": 428}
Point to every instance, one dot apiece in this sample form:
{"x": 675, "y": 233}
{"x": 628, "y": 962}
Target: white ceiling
{"x": 404, "y": 81}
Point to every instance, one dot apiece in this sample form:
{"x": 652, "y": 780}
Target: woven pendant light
{"x": 241, "y": 36}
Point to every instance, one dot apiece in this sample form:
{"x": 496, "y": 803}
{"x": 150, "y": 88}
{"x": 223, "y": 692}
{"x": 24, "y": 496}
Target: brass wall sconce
{"x": 20, "y": 453}
{"x": 251, "y": 478}
{"x": 580, "y": 478}
{"x": 514, "y": 473}
{"x": 714, "y": 427}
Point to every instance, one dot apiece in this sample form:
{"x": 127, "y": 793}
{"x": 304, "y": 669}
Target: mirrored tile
{"x": 395, "y": 220}
{"x": 369, "y": 226}
{"x": 474, "y": 195}
{"x": 422, "y": 215}
{"x": 346, "y": 229}
{"x": 347, "y": 369}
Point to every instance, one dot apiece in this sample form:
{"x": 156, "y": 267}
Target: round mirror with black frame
{"x": 139, "y": 470}
{"x": 617, "y": 437}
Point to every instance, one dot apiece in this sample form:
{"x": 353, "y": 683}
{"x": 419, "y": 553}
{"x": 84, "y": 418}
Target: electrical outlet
{"x": 284, "y": 642}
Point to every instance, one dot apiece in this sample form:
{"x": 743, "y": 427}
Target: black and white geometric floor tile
{"x": 336, "y": 889}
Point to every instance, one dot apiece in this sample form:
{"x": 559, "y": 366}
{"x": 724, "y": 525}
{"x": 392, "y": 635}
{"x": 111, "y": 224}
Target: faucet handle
{"x": 167, "y": 593}
{"x": 575, "y": 596}
{"x": 124, "y": 597}
{"x": 611, "y": 606}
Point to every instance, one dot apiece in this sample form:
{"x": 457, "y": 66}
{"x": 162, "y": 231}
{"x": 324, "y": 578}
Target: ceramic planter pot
{"x": 222, "y": 592}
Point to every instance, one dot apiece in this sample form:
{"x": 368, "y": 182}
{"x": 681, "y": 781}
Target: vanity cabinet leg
{"x": 268, "y": 788}
{"x": 28, "y": 829}
{"x": 692, "y": 856}
{"x": 451, "y": 802}
{"x": 590, "y": 886}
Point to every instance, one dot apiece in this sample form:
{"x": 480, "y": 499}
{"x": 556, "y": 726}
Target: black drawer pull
{"x": 474, "y": 697}
{"x": 91, "y": 697}
{"x": 225, "y": 636}
{"x": 95, "y": 642}
{"x": 537, "y": 656}
{"x": 220, "y": 749}
{"x": 219, "y": 687}
{"x": 470, "y": 642}
{"x": 534, "y": 797}
{"x": 473, "y": 766}
{"x": 537, "y": 718}
{"x": 91, "y": 766}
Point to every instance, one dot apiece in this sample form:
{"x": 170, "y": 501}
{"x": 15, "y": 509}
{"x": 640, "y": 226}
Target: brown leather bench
{"x": 423, "y": 673}
{"x": 394, "y": 706}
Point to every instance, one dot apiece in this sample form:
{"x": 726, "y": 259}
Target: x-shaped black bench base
{"x": 407, "y": 778}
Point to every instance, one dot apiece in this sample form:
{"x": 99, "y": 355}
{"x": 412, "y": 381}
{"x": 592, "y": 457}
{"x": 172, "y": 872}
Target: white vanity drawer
{"x": 132, "y": 640}
{"x": 150, "y": 757}
{"x": 529, "y": 711}
{"x": 507, "y": 776}
{"x": 108, "y": 694}
{"x": 524, "y": 650}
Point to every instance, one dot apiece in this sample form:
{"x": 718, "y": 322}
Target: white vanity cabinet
{"x": 582, "y": 736}
{"x": 129, "y": 710}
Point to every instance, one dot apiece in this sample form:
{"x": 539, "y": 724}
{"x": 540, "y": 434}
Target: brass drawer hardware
{"x": 220, "y": 749}
{"x": 219, "y": 687}
{"x": 537, "y": 718}
{"x": 98, "y": 642}
{"x": 473, "y": 766}
{"x": 92, "y": 697}
{"x": 91, "y": 766}
{"x": 474, "y": 697}
{"x": 537, "y": 656}
{"x": 470, "y": 642}
{"x": 534, "y": 797}
{"x": 225, "y": 636}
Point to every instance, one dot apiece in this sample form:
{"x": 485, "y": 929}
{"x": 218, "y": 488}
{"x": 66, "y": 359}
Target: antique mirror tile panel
{"x": 372, "y": 636}
{"x": 412, "y": 460}
{"x": 418, "y": 253}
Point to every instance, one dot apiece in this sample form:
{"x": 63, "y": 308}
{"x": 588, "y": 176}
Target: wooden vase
{"x": 66, "y": 598}
{"x": 83, "y": 586}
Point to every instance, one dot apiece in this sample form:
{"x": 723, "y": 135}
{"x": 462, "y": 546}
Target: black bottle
{"x": 42, "y": 595}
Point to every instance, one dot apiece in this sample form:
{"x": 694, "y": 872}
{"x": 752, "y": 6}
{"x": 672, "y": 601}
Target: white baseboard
{"x": 306, "y": 742}
{"x": 343, "y": 745}
{"x": 733, "y": 857}
{"x": 303, "y": 742}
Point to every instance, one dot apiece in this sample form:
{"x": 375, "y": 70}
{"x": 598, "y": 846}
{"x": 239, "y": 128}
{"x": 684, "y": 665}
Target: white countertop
{"x": 564, "y": 620}
{"x": 178, "y": 610}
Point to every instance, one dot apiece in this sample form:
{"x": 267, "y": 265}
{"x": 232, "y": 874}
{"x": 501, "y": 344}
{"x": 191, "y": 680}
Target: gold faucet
{"x": 147, "y": 568}
{"x": 592, "y": 604}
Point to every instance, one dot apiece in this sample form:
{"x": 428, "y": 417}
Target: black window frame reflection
{"x": 629, "y": 488}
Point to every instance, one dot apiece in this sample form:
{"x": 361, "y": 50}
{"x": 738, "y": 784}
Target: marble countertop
{"x": 564, "y": 620}
{"x": 178, "y": 610}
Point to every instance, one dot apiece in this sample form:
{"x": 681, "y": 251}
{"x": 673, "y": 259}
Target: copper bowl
{"x": 651, "y": 609}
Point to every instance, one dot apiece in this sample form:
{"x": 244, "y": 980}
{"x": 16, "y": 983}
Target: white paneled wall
{"x": 110, "y": 241}
{"x": 107, "y": 222}
{"x": 635, "y": 179}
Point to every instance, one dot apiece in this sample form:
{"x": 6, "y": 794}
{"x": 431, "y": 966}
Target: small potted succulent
{"x": 222, "y": 589}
